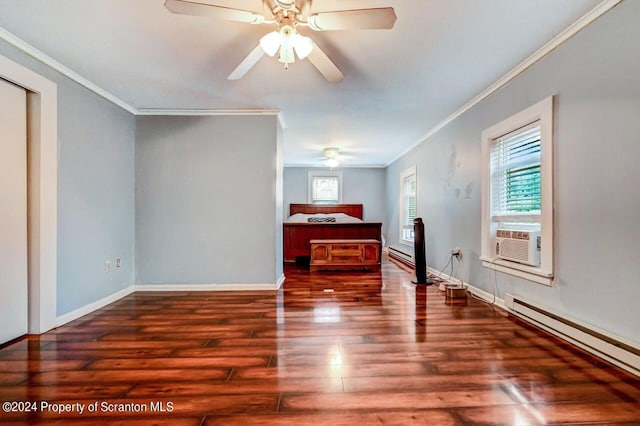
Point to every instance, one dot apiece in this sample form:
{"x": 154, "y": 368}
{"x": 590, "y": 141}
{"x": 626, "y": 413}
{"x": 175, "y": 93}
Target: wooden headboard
{"x": 354, "y": 210}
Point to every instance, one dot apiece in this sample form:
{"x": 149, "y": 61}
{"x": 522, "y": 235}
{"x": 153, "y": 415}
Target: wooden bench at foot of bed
{"x": 345, "y": 254}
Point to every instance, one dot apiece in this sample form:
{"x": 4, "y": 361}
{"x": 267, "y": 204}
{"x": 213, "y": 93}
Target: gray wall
{"x": 95, "y": 190}
{"x": 279, "y": 202}
{"x": 594, "y": 76}
{"x": 359, "y": 185}
{"x": 206, "y": 190}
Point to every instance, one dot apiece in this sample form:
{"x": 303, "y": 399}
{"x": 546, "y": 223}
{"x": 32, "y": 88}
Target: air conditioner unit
{"x": 518, "y": 246}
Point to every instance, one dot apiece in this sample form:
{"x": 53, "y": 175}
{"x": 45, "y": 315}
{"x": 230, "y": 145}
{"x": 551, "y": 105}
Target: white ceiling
{"x": 398, "y": 85}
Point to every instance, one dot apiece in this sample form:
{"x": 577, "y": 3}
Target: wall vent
{"x": 622, "y": 353}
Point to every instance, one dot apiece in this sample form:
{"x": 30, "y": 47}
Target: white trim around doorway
{"x": 42, "y": 116}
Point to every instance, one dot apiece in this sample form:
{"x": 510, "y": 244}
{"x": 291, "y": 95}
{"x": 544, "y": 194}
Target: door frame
{"x": 42, "y": 192}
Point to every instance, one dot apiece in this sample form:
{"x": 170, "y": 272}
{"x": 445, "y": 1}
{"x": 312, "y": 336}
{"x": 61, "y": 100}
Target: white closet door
{"x": 13, "y": 211}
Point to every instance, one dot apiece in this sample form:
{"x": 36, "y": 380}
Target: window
{"x": 325, "y": 190}
{"x": 408, "y": 205}
{"x": 325, "y": 187}
{"x": 515, "y": 176}
{"x": 517, "y": 189}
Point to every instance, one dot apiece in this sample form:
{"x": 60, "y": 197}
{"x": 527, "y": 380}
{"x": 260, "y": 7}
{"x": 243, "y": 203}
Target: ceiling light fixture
{"x": 285, "y": 41}
{"x": 332, "y": 163}
{"x": 331, "y": 157}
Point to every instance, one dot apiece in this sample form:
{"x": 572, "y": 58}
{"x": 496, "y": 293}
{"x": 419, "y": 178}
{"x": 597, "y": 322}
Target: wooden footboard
{"x": 296, "y": 236}
{"x": 344, "y": 255}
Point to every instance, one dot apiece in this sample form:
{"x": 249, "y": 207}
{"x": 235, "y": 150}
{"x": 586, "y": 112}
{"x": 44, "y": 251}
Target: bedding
{"x": 323, "y": 217}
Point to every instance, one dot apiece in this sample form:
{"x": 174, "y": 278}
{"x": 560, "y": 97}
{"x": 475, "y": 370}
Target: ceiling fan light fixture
{"x": 286, "y": 55}
{"x": 287, "y": 35}
{"x": 286, "y": 41}
{"x": 332, "y": 163}
{"x": 302, "y": 45}
{"x": 331, "y": 152}
{"x": 270, "y": 43}
{"x": 331, "y": 157}
{"x": 287, "y": 38}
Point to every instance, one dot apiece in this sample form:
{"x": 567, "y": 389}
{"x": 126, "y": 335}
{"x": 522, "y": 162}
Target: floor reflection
{"x": 328, "y": 348}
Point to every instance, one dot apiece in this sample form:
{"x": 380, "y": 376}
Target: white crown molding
{"x": 25, "y": 47}
{"x": 569, "y": 32}
{"x": 552, "y": 44}
{"x": 204, "y": 112}
{"x": 342, "y": 166}
{"x": 52, "y": 63}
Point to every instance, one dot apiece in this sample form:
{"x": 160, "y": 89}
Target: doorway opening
{"x": 42, "y": 201}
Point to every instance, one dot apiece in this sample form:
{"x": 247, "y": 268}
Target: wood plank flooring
{"x": 330, "y": 348}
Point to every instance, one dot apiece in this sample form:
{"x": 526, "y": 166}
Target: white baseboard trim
{"x": 439, "y": 274}
{"x": 208, "y": 287}
{"x": 581, "y": 335}
{"x": 601, "y": 343}
{"x": 280, "y": 282}
{"x": 87, "y": 309}
{"x": 91, "y": 307}
{"x": 481, "y": 294}
{"x": 487, "y": 297}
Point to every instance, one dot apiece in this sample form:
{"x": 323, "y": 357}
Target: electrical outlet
{"x": 118, "y": 263}
{"x": 107, "y": 266}
{"x": 457, "y": 252}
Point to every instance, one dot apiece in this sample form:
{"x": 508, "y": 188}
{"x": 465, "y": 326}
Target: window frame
{"x": 411, "y": 171}
{"x": 543, "y": 274}
{"x": 516, "y": 166}
{"x": 319, "y": 174}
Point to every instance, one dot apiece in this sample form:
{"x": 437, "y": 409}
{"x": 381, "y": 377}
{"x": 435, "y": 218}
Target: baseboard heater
{"x": 611, "y": 348}
{"x": 401, "y": 256}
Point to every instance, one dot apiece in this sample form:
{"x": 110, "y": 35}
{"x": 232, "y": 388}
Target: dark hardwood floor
{"x": 331, "y": 348}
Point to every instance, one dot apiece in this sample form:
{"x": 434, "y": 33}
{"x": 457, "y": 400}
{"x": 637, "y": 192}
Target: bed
{"x": 296, "y": 235}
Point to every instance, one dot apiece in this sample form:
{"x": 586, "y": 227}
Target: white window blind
{"x": 515, "y": 175}
{"x": 325, "y": 190}
{"x": 409, "y": 206}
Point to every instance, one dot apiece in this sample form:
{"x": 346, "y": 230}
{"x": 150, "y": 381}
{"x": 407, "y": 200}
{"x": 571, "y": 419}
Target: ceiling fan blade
{"x": 327, "y": 68}
{"x": 361, "y": 19}
{"x": 248, "y": 63}
{"x": 195, "y": 8}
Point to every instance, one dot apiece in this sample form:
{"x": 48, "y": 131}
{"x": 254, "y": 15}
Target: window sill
{"x": 406, "y": 243}
{"x": 529, "y": 273}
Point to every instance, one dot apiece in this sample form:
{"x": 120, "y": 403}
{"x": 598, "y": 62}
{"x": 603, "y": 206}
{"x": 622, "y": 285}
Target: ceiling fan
{"x": 288, "y": 16}
{"x": 331, "y": 157}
